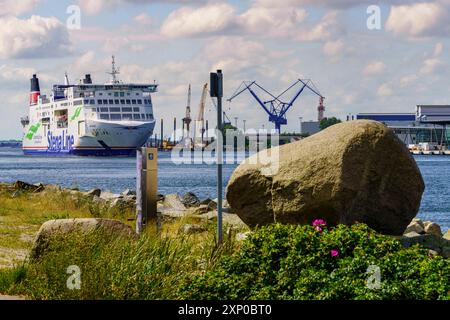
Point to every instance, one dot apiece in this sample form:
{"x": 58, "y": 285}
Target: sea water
{"x": 116, "y": 174}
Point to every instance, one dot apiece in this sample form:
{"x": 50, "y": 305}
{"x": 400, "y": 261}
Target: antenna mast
{"x": 114, "y": 71}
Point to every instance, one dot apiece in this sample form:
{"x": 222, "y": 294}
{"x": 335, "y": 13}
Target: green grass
{"x": 112, "y": 268}
{"x": 22, "y": 213}
{"x": 152, "y": 267}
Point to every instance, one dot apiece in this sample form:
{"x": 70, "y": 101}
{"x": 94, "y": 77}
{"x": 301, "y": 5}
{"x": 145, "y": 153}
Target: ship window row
{"x": 118, "y": 94}
{"x": 118, "y": 109}
{"x": 120, "y": 101}
{"x": 115, "y": 101}
{"x": 125, "y": 116}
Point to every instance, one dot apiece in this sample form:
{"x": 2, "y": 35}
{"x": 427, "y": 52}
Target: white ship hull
{"x": 101, "y": 138}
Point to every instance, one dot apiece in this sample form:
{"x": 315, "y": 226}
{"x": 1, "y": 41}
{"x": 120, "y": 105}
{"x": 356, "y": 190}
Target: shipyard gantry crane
{"x": 187, "y": 119}
{"x": 200, "y": 123}
{"x": 277, "y": 108}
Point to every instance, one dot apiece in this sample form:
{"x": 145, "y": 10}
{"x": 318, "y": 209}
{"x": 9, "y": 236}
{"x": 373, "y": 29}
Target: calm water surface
{"x": 117, "y": 174}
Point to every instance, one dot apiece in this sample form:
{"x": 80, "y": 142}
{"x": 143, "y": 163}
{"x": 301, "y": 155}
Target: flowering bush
{"x": 298, "y": 262}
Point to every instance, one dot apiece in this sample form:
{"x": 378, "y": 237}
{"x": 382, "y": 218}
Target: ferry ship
{"x": 88, "y": 119}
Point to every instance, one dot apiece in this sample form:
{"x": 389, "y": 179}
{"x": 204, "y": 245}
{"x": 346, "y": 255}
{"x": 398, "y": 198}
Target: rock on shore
{"x": 84, "y": 226}
{"x": 357, "y": 171}
{"x": 428, "y": 235}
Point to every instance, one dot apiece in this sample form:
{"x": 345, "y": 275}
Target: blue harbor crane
{"x": 277, "y": 108}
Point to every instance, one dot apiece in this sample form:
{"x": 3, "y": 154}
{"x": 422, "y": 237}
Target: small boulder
{"x": 106, "y": 195}
{"x": 39, "y": 187}
{"x": 411, "y": 234}
{"x": 428, "y": 241}
{"x": 122, "y": 203}
{"x": 415, "y": 226}
{"x": 206, "y": 201}
{"x": 233, "y": 220}
{"x": 192, "y": 228}
{"x": 83, "y": 226}
{"x": 447, "y": 235}
{"x": 128, "y": 192}
{"x": 24, "y": 186}
{"x": 201, "y": 209}
{"x": 173, "y": 201}
{"x": 433, "y": 228}
{"x": 225, "y": 203}
{"x": 190, "y": 200}
{"x": 446, "y": 252}
{"x": 432, "y": 253}
{"x": 212, "y": 205}
{"x": 94, "y": 192}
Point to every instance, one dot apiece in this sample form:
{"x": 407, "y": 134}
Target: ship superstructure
{"x": 89, "y": 119}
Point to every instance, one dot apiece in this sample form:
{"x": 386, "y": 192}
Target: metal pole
{"x": 138, "y": 191}
{"x": 300, "y": 119}
{"x": 219, "y": 159}
{"x": 174, "y": 130}
{"x": 162, "y": 134}
{"x": 244, "y": 124}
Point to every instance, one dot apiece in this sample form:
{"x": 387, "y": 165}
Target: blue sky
{"x": 178, "y": 42}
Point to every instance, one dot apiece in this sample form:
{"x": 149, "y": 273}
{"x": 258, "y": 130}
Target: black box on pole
{"x": 216, "y": 84}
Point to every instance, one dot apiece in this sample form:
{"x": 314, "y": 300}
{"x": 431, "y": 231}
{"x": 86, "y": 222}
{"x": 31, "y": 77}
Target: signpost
{"x": 216, "y": 85}
{"x": 146, "y": 188}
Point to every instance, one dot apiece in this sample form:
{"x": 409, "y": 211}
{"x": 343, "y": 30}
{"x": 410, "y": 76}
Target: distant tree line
{"x": 328, "y": 122}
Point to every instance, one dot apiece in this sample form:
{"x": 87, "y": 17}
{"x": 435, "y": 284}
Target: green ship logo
{"x": 32, "y": 131}
{"x": 76, "y": 114}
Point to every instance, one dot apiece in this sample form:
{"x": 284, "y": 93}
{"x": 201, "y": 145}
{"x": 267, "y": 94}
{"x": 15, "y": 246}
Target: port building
{"x": 427, "y": 126}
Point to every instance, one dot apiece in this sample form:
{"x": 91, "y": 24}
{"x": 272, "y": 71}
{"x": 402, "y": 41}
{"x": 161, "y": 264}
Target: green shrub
{"x": 296, "y": 262}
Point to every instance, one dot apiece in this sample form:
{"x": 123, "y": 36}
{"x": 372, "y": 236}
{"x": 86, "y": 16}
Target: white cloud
{"x": 419, "y": 20}
{"x": 143, "y": 19}
{"x": 17, "y": 7}
{"x": 16, "y": 73}
{"x": 374, "y": 68}
{"x": 432, "y": 66}
{"x": 188, "y": 21}
{"x": 35, "y": 37}
{"x": 92, "y": 7}
{"x": 238, "y": 58}
{"x": 277, "y": 22}
{"x": 22, "y": 74}
{"x": 221, "y": 18}
{"x": 384, "y": 90}
{"x": 86, "y": 63}
{"x": 333, "y": 48}
{"x": 337, "y": 4}
{"x": 327, "y": 28}
{"x": 438, "y": 49}
{"x": 406, "y": 81}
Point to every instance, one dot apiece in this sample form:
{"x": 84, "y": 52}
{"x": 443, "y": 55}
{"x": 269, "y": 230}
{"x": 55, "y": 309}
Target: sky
{"x": 357, "y": 64}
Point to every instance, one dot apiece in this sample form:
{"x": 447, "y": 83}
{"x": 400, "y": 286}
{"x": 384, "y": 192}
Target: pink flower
{"x": 334, "y": 253}
{"x": 318, "y": 224}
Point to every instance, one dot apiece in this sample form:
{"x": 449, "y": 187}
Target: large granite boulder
{"x": 356, "y": 171}
{"x": 50, "y": 229}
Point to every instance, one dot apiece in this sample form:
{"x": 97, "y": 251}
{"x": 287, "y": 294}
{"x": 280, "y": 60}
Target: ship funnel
{"x": 87, "y": 79}
{"x": 35, "y": 91}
